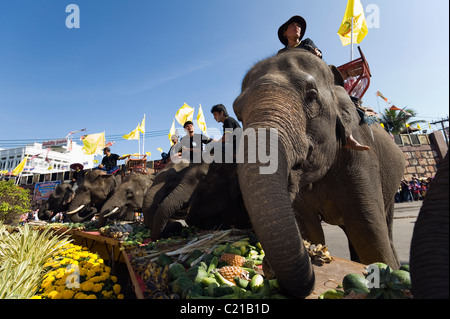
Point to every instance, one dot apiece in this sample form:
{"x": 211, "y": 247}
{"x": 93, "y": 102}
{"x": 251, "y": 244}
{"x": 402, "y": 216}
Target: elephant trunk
{"x": 268, "y": 203}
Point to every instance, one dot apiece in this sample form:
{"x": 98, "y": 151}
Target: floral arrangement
{"x": 76, "y": 273}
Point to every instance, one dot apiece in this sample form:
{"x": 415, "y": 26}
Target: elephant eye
{"x": 311, "y": 96}
{"x": 129, "y": 193}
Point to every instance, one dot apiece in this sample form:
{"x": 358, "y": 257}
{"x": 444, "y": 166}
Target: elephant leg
{"x": 390, "y": 226}
{"x": 353, "y": 255}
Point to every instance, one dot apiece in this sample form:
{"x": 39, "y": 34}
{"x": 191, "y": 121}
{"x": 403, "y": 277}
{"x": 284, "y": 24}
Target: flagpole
{"x": 378, "y": 102}
{"x": 351, "y": 43}
{"x": 143, "y": 140}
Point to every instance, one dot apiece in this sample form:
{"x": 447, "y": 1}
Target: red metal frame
{"x": 356, "y": 76}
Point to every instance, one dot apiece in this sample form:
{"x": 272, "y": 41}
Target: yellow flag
{"x": 382, "y": 125}
{"x": 172, "y": 132}
{"x": 185, "y": 113}
{"x": 354, "y": 9}
{"x": 141, "y": 126}
{"x": 407, "y": 125}
{"x": 160, "y": 149}
{"x": 148, "y": 154}
{"x": 133, "y": 135}
{"x": 201, "y": 120}
{"x": 418, "y": 126}
{"x": 94, "y": 143}
{"x": 19, "y": 168}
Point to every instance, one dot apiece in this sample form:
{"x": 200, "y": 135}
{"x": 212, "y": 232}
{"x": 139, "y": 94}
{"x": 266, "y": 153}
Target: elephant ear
{"x": 68, "y": 196}
{"x": 338, "y": 78}
{"x": 347, "y": 118}
{"x": 108, "y": 184}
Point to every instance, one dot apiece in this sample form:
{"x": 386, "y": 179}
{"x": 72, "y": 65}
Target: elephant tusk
{"x": 76, "y": 210}
{"x": 112, "y": 212}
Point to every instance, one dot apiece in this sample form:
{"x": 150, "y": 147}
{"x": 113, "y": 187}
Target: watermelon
{"x": 355, "y": 281}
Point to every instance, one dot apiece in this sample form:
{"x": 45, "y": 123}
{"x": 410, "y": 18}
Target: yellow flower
{"x": 80, "y": 295}
{"x": 116, "y": 289}
{"x": 114, "y": 278}
{"x": 88, "y": 265}
{"x": 91, "y": 297}
{"x": 36, "y": 297}
{"x": 67, "y": 294}
{"x": 97, "y": 287}
{"x": 87, "y": 286}
{"x": 120, "y": 296}
{"x": 91, "y": 273}
{"x": 54, "y": 295}
{"x": 46, "y": 284}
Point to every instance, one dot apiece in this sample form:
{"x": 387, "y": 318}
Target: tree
{"x": 14, "y": 201}
{"x": 396, "y": 121}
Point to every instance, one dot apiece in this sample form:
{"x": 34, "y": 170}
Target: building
{"x": 47, "y": 161}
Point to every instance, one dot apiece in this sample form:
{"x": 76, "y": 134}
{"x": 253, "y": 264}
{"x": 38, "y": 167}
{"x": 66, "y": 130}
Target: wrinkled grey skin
{"x": 207, "y": 196}
{"x": 93, "y": 192}
{"x": 217, "y": 200}
{"x": 430, "y": 242}
{"x": 128, "y": 197}
{"x": 170, "y": 193}
{"x": 58, "y": 201}
{"x": 317, "y": 179}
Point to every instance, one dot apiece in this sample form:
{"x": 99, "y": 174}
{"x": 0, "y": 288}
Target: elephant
{"x": 297, "y": 107}
{"x": 127, "y": 198}
{"x": 93, "y": 192}
{"x": 207, "y": 195}
{"x": 430, "y": 241}
{"x": 58, "y": 201}
{"x": 217, "y": 200}
{"x": 170, "y": 193}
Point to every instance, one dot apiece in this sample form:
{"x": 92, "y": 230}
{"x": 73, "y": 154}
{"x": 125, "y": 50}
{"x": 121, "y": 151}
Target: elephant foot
{"x": 355, "y": 145}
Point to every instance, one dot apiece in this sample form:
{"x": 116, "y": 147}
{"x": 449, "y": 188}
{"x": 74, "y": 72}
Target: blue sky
{"x": 131, "y": 58}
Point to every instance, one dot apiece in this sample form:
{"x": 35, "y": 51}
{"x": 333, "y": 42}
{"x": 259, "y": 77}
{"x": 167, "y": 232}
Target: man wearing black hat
{"x": 193, "y": 142}
{"x": 291, "y": 34}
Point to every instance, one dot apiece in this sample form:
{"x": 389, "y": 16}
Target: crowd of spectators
{"x": 413, "y": 190}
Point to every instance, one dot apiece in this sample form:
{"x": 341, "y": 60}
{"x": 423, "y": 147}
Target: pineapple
{"x": 237, "y": 260}
{"x": 229, "y": 272}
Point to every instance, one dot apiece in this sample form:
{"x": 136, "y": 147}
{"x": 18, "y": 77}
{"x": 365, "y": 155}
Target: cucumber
{"x": 241, "y": 282}
{"x": 212, "y": 264}
{"x": 206, "y": 281}
{"x": 240, "y": 243}
{"x": 222, "y": 280}
{"x": 355, "y": 281}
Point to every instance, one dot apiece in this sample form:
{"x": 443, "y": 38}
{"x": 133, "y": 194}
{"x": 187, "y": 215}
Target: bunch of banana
{"x": 319, "y": 253}
{"x": 156, "y": 281}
